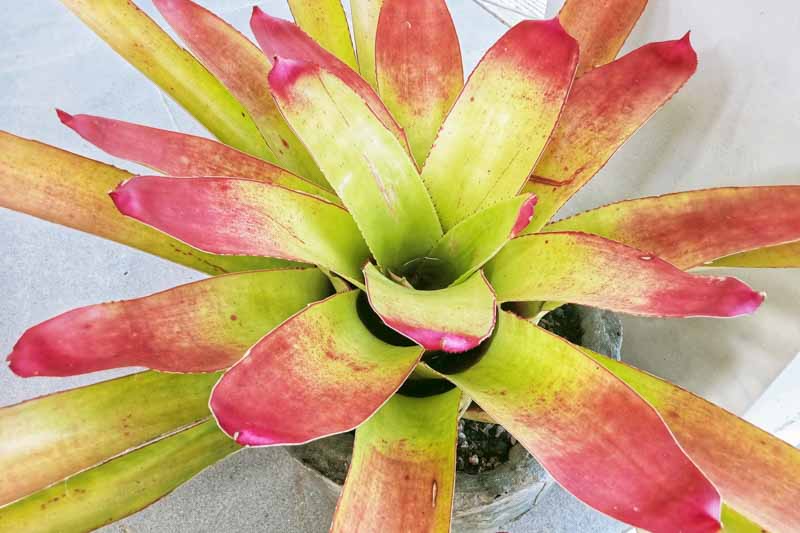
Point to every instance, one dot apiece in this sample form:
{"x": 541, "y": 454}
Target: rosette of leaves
{"x": 379, "y": 238}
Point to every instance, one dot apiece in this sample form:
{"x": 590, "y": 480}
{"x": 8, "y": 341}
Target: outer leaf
{"x": 603, "y": 110}
{"x": 68, "y": 189}
{"x": 497, "y": 128}
{"x": 178, "y": 154}
{"x": 50, "y": 438}
{"x": 454, "y": 320}
{"x": 364, "y": 163}
{"x": 590, "y": 270}
{"x": 236, "y": 216}
{"x": 692, "y": 228}
{"x": 782, "y": 256}
{"x": 319, "y": 373}
{"x": 756, "y": 473}
{"x": 241, "y": 66}
{"x": 365, "y": 27}
{"x": 600, "y": 27}
{"x": 326, "y": 23}
{"x": 403, "y": 470}
{"x": 597, "y": 437}
{"x": 475, "y": 240}
{"x": 281, "y": 38}
{"x": 734, "y": 522}
{"x": 120, "y": 487}
{"x": 418, "y": 64}
{"x": 200, "y": 327}
{"x": 134, "y": 36}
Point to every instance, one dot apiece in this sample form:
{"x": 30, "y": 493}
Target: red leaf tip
{"x": 524, "y": 216}
{"x": 285, "y": 73}
{"x": 679, "y": 51}
{"x": 64, "y": 117}
{"x": 125, "y": 198}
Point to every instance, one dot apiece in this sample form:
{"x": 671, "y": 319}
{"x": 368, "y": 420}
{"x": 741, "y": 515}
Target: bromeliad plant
{"x": 378, "y": 261}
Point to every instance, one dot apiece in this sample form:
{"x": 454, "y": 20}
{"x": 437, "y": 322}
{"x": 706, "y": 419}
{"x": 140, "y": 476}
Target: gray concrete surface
{"x": 736, "y": 123}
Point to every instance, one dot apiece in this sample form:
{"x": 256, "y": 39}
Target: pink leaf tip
{"x": 524, "y": 216}
{"x": 64, "y": 117}
{"x": 285, "y": 73}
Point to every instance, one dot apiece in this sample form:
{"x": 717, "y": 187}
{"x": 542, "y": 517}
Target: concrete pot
{"x": 483, "y": 502}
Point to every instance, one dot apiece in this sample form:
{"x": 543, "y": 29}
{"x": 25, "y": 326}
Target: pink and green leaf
{"x": 366, "y": 165}
{"x": 326, "y": 23}
{"x": 455, "y": 319}
{"x": 134, "y": 36}
{"x": 690, "y": 229}
{"x": 600, "y": 27}
{"x": 475, "y": 240}
{"x": 61, "y": 434}
{"x": 756, "y": 474}
{"x": 68, "y": 189}
{"x": 418, "y": 65}
{"x": 243, "y": 69}
{"x": 403, "y": 470}
{"x": 496, "y": 130}
{"x": 238, "y": 216}
{"x": 365, "y": 27}
{"x": 597, "y": 437}
{"x": 178, "y": 154}
{"x": 781, "y": 256}
{"x": 319, "y": 373}
{"x": 281, "y": 38}
{"x": 204, "y": 326}
{"x": 120, "y": 487}
{"x": 590, "y": 270}
{"x": 603, "y": 110}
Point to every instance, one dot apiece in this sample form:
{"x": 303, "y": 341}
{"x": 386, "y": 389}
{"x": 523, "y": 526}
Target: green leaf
{"x": 326, "y": 23}
{"x": 365, "y": 26}
{"x": 366, "y": 165}
{"x": 120, "y": 487}
{"x": 134, "y": 36}
{"x": 403, "y": 469}
{"x": 53, "y": 437}
{"x": 68, "y": 189}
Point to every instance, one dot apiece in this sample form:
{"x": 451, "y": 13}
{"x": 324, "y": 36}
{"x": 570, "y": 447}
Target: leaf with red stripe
{"x": 756, "y": 473}
{"x": 590, "y": 270}
{"x": 372, "y": 174}
{"x": 178, "y": 154}
{"x": 600, "y": 27}
{"x": 200, "y": 327}
{"x": 781, "y": 256}
{"x": 418, "y": 65}
{"x": 326, "y": 22}
{"x": 243, "y": 69}
{"x": 455, "y": 319}
{"x": 281, "y": 38}
{"x": 319, "y": 373}
{"x": 403, "y": 470}
{"x": 122, "y": 486}
{"x": 53, "y": 437}
{"x": 475, "y": 240}
{"x": 690, "y": 229}
{"x": 237, "y": 216}
{"x": 596, "y": 436}
{"x": 68, "y": 189}
{"x": 603, "y": 110}
{"x": 500, "y": 123}
{"x": 365, "y": 26}
{"x": 134, "y": 36}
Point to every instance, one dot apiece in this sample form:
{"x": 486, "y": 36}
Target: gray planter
{"x": 483, "y": 502}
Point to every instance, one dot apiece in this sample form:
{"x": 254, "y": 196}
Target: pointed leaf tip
{"x": 525, "y": 216}
{"x": 64, "y": 117}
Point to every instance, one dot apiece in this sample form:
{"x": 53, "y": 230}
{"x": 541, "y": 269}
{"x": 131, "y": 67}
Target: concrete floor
{"x": 736, "y": 122}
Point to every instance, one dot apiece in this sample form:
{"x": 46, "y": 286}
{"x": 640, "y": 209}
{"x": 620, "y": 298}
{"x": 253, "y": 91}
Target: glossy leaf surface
{"x": 204, "y": 326}
{"x": 590, "y": 270}
{"x": 403, "y": 470}
{"x": 319, "y": 373}
{"x": 491, "y": 139}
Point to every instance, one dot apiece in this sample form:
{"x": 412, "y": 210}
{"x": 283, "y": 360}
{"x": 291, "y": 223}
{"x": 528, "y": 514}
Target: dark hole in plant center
{"x": 422, "y": 388}
{"x": 453, "y": 363}
{"x": 421, "y": 273}
{"x": 375, "y": 325}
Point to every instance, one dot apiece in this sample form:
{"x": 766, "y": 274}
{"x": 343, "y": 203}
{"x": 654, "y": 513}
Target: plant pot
{"x": 487, "y": 501}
